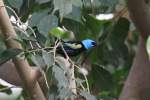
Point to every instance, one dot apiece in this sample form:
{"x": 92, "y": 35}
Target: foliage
{"x": 51, "y": 19}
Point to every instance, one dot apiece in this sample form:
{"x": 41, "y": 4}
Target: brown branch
{"x": 140, "y": 14}
{"x": 8, "y": 68}
{"x": 9, "y": 73}
{"x": 137, "y": 85}
{"x": 24, "y": 70}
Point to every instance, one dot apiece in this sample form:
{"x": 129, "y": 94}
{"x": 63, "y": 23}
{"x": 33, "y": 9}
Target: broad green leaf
{"x": 102, "y": 79}
{"x": 75, "y": 14}
{"x": 117, "y": 50}
{"x": 22, "y": 36}
{"x": 9, "y": 54}
{"x": 79, "y": 29}
{"x": 87, "y": 95}
{"x": 5, "y": 89}
{"x": 120, "y": 31}
{"x": 47, "y": 23}
{"x": 60, "y": 77}
{"x": 65, "y": 93}
{"x": 48, "y": 58}
{"x": 38, "y": 60}
{"x": 58, "y": 32}
{"x": 77, "y": 3}
{"x": 94, "y": 25}
{"x": 36, "y": 17}
{"x": 53, "y": 93}
{"x": 42, "y": 1}
{"x": 64, "y": 6}
{"x": 15, "y": 3}
{"x": 41, "y": 38}
{"x": 99, "y": 6}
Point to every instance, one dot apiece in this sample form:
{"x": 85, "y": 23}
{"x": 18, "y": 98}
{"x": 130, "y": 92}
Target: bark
{"x": 27, "y": 75}
{"x": 137, "y": 85}
{"x": 8, "y": 73}
{"x": 140, "y": 14}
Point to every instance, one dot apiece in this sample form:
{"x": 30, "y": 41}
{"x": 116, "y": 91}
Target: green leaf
{"x": 38, "y": 60}
{"x": 75, "y": 14}
{"x": 64, "y": 6}
{"x": 120, "y": 31}
{"x": 60, "y": 77}
{"x": 58, "y": 32}
{"x": 77, "y": 28}
{"x": 53, "y": 93}
{"x": 117, "y": 50}
{"x": 47, "y": 23}
{"x": 15, "y": 3}
{"x": 36, "y": 17}
{"x": 63, "y": 64}
{"x": 22, "y": 36}
{"x": 77, "y": 3}
{"x": 87, "y": 96}
{"x": 9, "y": 54}
{"x": 42, "y": 1}
{"x": 102, "y": 79}
{"x": 65, "y": 93}
{"x": 41, "y": 39}
{"x": 48, "y": 58}
{"x": 99, "y": 6}
{"x": 5, "y": 89}
{"x": 94, "y": 25}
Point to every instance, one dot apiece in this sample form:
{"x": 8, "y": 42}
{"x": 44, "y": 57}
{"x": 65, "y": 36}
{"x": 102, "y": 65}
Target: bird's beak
{"x": 95, "y": 45}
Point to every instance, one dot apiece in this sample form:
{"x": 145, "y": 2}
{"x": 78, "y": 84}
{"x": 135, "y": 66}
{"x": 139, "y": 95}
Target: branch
{"x": 25, "y": 72}
{"x": 140, "y": 14}
{"x": 137, "y": 85}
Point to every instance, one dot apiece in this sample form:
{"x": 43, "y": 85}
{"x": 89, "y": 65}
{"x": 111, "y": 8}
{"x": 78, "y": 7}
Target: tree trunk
{"x": 137, "y": 86}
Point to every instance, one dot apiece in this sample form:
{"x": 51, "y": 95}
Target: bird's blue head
{"x": 88, "y": 43}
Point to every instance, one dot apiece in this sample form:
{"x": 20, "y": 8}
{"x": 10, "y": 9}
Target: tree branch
{"x": 140, "y": 14}
{"x": 137, "y": 85}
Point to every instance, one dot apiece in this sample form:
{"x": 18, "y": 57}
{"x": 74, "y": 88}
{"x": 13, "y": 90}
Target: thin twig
{"x": 38, "y": 49}
{"x": 6, "y": 88}
{"x": 20, "y": 22}
{"x": 67, "y": 57}
{"x": 86, "y": 80}
{"x": 45, "y": 79}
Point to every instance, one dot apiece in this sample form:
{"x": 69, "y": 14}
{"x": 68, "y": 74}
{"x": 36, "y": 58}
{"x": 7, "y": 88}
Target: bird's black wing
{"x": 71, "y": 48}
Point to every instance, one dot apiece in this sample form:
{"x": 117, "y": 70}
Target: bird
{"x": 74, "y": 48}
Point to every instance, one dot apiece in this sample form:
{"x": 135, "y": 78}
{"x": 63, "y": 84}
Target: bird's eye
{"x": 94, "y": 43}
